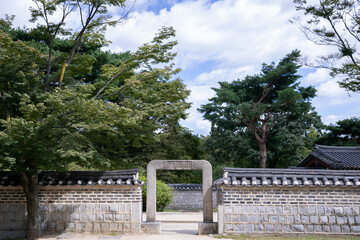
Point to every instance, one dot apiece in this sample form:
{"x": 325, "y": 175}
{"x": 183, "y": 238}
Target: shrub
{"x": 163, "y": 195}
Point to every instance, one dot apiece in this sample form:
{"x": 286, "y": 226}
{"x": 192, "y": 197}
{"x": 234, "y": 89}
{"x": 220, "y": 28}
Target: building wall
{"x": 305, "y": 210}
{"x": 188, "y": 200}
{"x": 74, "y": 208}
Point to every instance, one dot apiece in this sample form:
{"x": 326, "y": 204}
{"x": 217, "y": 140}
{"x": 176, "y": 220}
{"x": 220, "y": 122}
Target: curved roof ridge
{"x": 325, "y": 147}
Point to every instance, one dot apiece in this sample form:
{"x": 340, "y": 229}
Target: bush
{"x": 163, "y": 195}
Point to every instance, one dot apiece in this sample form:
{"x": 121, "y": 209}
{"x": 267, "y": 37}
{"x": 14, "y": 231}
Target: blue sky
{"x": 222, "y": 41}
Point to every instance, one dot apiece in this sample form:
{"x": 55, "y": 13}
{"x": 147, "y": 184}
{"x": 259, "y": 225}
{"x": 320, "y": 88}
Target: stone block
{"x": 149, "y": 227}
{"x": 314, "y": 219}
{"x": 235, "y": 218}
{"x": 269, "y": 228}
{"x": 74, "y": 217}
{"x": 262, "y": 209}
{"x": 60, "y": 226}
{"x": 265, "y": 218}
{"x": 270, "y": 209}
{"x": 80, "y": 227}
{"x": 259, "y": 227}
{"x": 109, "y": 217}
{"x": 82, "y": 208}
{"x": 128, "y": 208}
{"x": 101, "y": 217}
{"x": 245, "y": 209}
{"x": 298, "y": 228}
{"x": 255, "y": 218}
{"x": 114, "y": 226}
{"x": 348, "y": 210}
{"x": 309, "y": 228}
{"x": 345, "y": 229}
{"x": 93, "y": 217}
{"x": 97, "y": 227}
{"x": 278, "y": 209}
{"x": 90, "y": 208}
{"x": 287, "y": 209}
{"x": 312, "y": 210}
{"x": 294, "y": 210}
{"x": 324, "y": 219}
{"x": 60, "y": 208}
{"x": 274, "y": 219}
{"x": 113, "y": 208}
{"x": 357, "y": 219}
{"x": 10, "y": 216}
{"x": 249, "y": 228}
{"x": 243, "y": 218}
{"x": 122, "y": 208}
{"x": 326, "y": 228}
{"x": 89, "y": 226}
{"x": 103, "y": 208}
{"x": 229, "y": 227}
{"x": 341, "y": 220}
{"x": 351, "y": 220}
{"x": 282, "y": 219}
{"x": 85, "y": 217}
{"x": 303, "y": 209}
{"x": 70, "y": 226}
{"x": 127, "y": 217}
{"x": 209, "y": 228}
{"x": 12, "y": 208}
{"x": 332, "y": 219}
{"x": 322, "y": 210}
{"x": 254, "y": 209}
{"x": 328, "y": 210}
{"x": 51, "y": 226}
{"x": 355, "y": 229}
{"x": 238, "y": 227}
{"x": 339, "y": 211}
{"x": 286, "y": 228}
{"x": 227, "y": 218}
{"x": 356, "y": 210}
{"x": 118, "y": 217}
{"x": 237, "y": 209}
{"x": 15, "y": 226}
{"x": 335, "y": 229}
{"x": 97, "y": 208}
{"x": 305, "y": 219}
{"x": 291, "y": 219}
{"x": 105, "y": 226}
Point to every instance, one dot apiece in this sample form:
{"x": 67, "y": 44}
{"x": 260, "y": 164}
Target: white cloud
{"x": 220, "y": 41}
{"x": 319, "y": 76}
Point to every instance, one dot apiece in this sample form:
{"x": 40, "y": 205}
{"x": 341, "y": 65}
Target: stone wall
{"x": 75, "y": 208}
{"x": 305, "y": 210}
{"x": 188, "y": 199}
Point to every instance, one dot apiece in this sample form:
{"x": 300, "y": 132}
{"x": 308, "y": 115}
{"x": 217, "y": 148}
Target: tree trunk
{"x": 262, "y": 150}
{"x": 6, "y": 107}
{"x": 31, "y": 190}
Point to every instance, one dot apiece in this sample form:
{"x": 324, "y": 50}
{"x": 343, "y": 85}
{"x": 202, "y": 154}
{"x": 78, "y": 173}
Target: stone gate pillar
{"x": 207, "y": 226}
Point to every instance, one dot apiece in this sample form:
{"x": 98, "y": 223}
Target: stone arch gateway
{"x": 207, "y": 226}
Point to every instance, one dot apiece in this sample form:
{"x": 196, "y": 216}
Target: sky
{"x": 221, "y": 41}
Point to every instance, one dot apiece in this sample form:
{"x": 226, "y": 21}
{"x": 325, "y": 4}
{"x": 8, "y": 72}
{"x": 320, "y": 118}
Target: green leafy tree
{"x": 335, "y": 23}
{"x": 85, "y": 124}
{"x": 94, "y": 19}
{"x": 259, "y": 105}
{"x": 344, "y": 133}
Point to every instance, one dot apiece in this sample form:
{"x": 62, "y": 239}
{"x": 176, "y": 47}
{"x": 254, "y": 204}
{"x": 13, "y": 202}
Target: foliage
{"x": 268, "y": 111}
{"x": 335, "y": 23}
{"x": 101, "y": 123}
{"x": 163, "y": 195}
{"x": 344, "y": 133}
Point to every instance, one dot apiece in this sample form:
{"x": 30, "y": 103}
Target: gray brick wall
{"x": 188, "y": 200}
{"x": 74, "y": 208}
{"x": 306, "y": 210}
